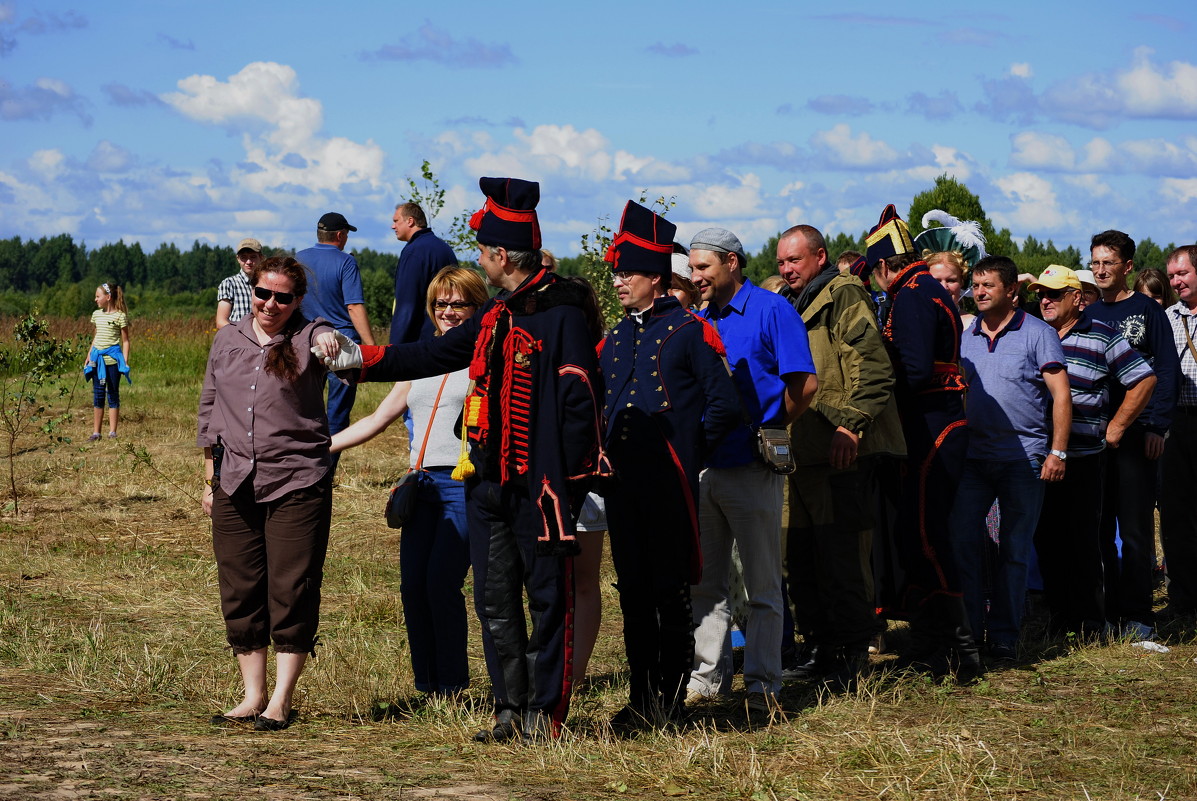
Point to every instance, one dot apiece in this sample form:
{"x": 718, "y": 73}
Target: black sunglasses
{"x": 456, "y": 305}
{"x": 281, "y": 298}
{"x": 1053, "y": 294}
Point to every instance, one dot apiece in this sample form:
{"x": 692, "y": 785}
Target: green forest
{"x": 58, "y": 276}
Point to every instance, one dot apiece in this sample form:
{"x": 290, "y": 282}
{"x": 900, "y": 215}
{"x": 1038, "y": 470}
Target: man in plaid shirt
{"x": 1178, "y": 513}
{"x": 233, "y": 296}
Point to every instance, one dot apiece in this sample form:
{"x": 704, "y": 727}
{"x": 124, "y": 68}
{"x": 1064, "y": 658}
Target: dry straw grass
{"x": 112, "y": 657}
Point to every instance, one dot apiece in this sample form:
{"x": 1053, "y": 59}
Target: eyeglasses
{"x": 1054, "y": 294}
{"x": 455, "y": 305}
{"x": 623, "y": 276}
{"x": 281, "y": 298}
{"x": 1104, "y": 265}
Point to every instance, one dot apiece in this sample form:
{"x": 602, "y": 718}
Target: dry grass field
{"x": 112, "y": 659}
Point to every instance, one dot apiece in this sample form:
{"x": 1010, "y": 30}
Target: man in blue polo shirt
{"x": 1019, "y": 414}
{"x": 335, "y": 293}
{"x": 739, "y": 495}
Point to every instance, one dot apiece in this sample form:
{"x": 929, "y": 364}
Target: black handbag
{"x": 401, "y": 503}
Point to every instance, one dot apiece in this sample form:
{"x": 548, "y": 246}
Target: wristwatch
{"x": 1061, "y": 455}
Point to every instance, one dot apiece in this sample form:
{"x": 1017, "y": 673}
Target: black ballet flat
{"x": 232, "y": 720}
{"x": 270, "y": 724}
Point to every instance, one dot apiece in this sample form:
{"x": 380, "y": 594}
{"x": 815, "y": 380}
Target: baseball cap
{"x": 1086, "y": 278}
{"x": 1056, "y": 276}
{"x": 249, "y": 243}
{"x": 334, "y": 221}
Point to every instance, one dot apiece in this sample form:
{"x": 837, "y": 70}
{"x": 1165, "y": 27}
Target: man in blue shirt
{"x": 739, "y": 496}
{"x": 1019, "y": 414}
{"x": 424, "y": 255}
{"x": 335, "y": 293}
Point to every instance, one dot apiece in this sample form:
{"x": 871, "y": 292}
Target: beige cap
{"x": 1057, "y": 276}
{"x": 250, "y": 243}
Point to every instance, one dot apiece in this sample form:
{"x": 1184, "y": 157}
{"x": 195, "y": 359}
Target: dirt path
{"x": 48, "y": 755}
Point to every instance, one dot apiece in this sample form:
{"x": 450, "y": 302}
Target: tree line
{"x": 58, "y": 276}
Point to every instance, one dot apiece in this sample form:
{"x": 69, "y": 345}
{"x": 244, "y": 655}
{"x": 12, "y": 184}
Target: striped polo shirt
{"x": 1097, "y": 356}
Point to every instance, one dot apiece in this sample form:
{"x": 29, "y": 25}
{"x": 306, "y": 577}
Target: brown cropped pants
{"x": 270, "y": 559}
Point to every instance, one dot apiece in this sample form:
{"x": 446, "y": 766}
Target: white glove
{"x": 347, "y": 356}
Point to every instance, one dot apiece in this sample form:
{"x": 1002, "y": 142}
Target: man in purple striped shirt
{"x": 1066, "y": 538}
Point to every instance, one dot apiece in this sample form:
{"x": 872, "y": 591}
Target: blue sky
{"x": 172, "y": 121}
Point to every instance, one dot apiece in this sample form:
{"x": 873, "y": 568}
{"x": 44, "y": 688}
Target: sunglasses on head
{"x": 1053, "y": 294}
{"x": 281, "y": 298}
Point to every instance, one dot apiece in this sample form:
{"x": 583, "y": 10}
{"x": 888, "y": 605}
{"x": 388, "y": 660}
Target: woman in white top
{"x": 434, "y": 554}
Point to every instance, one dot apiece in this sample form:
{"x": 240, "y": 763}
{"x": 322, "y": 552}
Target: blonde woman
{"x": 434, "y": 552}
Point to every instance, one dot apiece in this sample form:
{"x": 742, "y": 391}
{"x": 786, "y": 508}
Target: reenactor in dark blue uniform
{"x": 922, "y": 333}
{"x": 533, "y": 425}
{"x": 668, "y": 399}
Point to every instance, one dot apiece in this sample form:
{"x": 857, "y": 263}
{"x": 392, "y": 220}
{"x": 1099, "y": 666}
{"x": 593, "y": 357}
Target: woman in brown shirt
{"x": 269, "y": 487}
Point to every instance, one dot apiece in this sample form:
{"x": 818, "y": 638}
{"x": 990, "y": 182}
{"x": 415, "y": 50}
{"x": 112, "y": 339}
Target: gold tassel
{"x": 465, "y": 468}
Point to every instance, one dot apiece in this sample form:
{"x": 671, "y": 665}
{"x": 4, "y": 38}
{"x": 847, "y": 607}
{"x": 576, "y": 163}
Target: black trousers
{"x": 1178, "y": 511}
{"x": 1128, "y": 502}
{"x": 1069, "y": 547}
{"x": 529, "y": 670}
{"x": 651, "y": 544}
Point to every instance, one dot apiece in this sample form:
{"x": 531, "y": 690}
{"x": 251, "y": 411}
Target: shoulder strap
{"x": 1184, "y": 321}
{"x": 428, "y": 428}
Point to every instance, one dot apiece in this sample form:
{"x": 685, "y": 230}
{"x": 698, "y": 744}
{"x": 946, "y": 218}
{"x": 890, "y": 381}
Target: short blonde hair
{"x": 463, "y": 281}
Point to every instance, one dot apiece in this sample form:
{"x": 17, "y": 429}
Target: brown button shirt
{"x": 274, "y": 431}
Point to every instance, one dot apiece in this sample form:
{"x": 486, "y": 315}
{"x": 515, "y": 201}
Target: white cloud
{"x": 1148, "y": 92}
{"x": 1040, "y": 151}
{"x": 726, "y": 201}
{"x": 1089, "y": 184}
{"x": 1181, "y": 190}
{"x": 789, "y": 188}
{"x": 563, "y": 150}
{"x": 1049, "y": 152}
{"x": 1100, "y": 155}
{"x": 280, "y": 131}
{"x": 256, "y": 219}
{"x": 1021, "y": 69}
{"x": 1034, "y": 205}
{"x": 1145, "y": 90}
{"x": 107, "y": 157}
{"x": 842, "y": 149}
{"x": 48, "y": 164}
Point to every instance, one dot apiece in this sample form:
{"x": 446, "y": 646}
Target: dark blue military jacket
{"x": 665, "y": 381}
